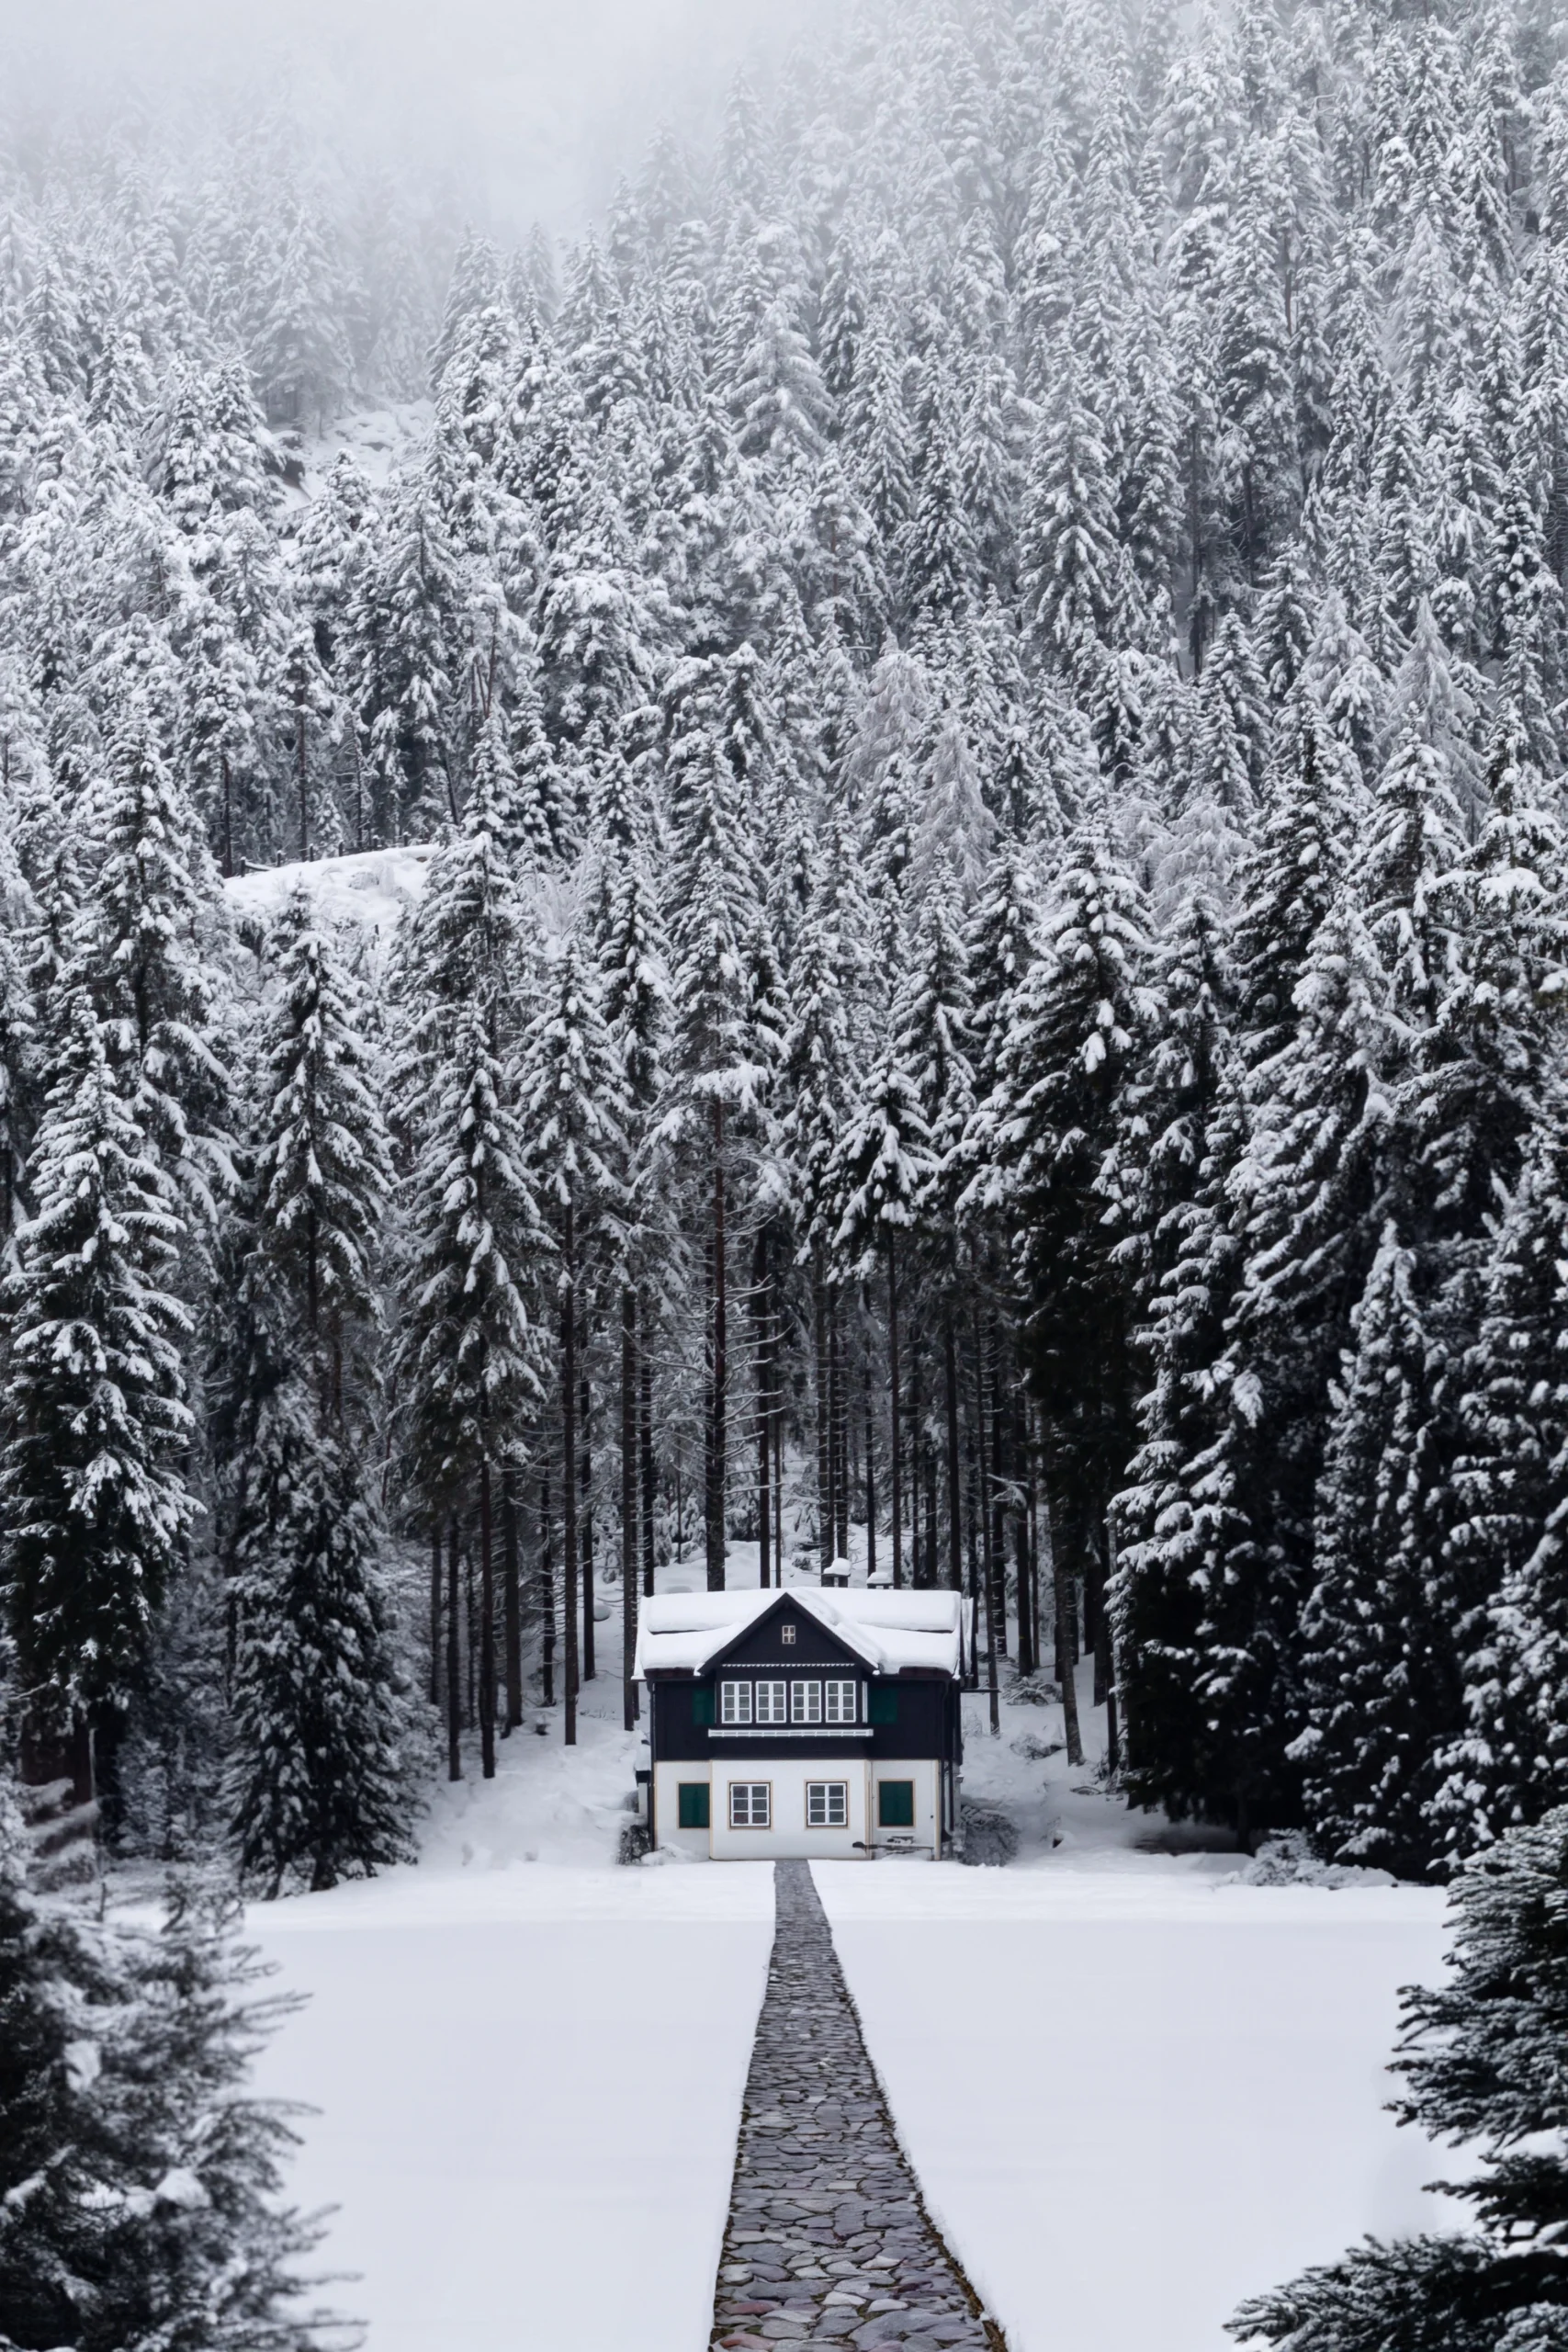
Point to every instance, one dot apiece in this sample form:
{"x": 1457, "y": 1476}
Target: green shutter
{"x": 701, "y": 1703}
{"x": 693, "y": 1800}
{"x": 896, "y": 1804}
{"x": 884, "y": 1702}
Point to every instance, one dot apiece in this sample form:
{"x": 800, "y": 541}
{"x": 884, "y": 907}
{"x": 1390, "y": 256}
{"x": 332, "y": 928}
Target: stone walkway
{"x": 827, "y": 2240}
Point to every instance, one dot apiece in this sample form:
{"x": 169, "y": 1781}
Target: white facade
{"x": 800, "y": 1808}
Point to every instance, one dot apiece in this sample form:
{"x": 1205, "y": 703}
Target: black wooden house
{"x": 810, "y": 1722}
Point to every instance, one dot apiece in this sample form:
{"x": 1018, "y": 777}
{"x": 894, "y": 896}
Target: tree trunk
{"x": 547, "y": 1588}
{"x": 838, "y": 1425}
{"x": 569, "y": 1469}
{"x": 895, "y": 1448}
{"x": 435, "y": 1613}
{"x": 919, "y": 1575}
{"x": 1108, "y": 1644}
{"x": 487, "y": 1629}
{"x": 870, "y": 1482}
{"x": 228, "y": 817}
{"x": 760, "y": 1302}
{"x": 954, "y": 1477}
{"x": 824, "y": 1418}
{"x": 646, "y": 1441}
{"x": 628, "y": 1507}
{"x": 778, "y": 1491}
{"x": 999, "y": 1470}
{"x": 987, "y": 1560}
{"x": 454, "y": 1661}
{"x": 1067, "y": 1645}
{"x": 586, "y": 1518}
{"x": 717, "y": 1480}
{"x": 511, "y": 1598}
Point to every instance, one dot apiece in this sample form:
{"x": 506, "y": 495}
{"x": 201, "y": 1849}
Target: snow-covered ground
{"x": 373, "y": 889}
{"x": 1135, "y": 2089}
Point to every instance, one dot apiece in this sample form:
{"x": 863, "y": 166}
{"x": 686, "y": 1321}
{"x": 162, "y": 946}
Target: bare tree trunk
{"x": 954, "y": 1477}
{"x": 987, "y": 1561}
{"x": 761, "y": 1300}
{"x": 717, "y": 1480}
{"x": 586, "y": 1518}
{"x": 487, "y": 1629}
{"x": 569, "y": 1468}
{"x": 894, "y": 1449}
{"x": 999, "y": 1469}
{"x": 838, "y": 1382}
{"x": 1066, "y": 1642}
{"x": 870, "y": 1481}
{"x": 646, "y": 1441}
{"x": 512, "y": 1599}
{"x": 453, "y": 1660}
{"x": 778, "y": 1491}
{"x": 628, "y": 1507}
{"x": 547, "y": 1588}
{"x": 435, "y": 1614}
{"x": 1106, "y": 1648}
{"x": 824, "y": 1418}
{"x": 918, "y": 1574}
{"x": 228, "y": 817}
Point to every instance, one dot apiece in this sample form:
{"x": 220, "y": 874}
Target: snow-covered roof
{"x": 681, "y": 1632}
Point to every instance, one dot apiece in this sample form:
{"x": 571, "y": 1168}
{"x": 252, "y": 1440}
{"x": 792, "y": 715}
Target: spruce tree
{"x": 319, "y": 1769}
{"x": 97, "y": 1509}
{"x": 1482, "y": 2059}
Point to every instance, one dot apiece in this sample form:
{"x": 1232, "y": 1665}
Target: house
{"x": 813, "y": 1723}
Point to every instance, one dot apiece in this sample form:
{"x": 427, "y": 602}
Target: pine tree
{"x": 1482, "y": 2059}
{"x": 1379, "y": 1666}
{"x": 97, "y": 1508}
{"x": 320, "y": 1764}
{"x": 138, "y": 2186}
{"x": 573, "y": 1107}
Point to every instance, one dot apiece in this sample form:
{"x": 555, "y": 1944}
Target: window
{"x": 896, "y": 1804}
{"x": 750, "y": 1806}
{"x": 692, "y": 1804}
{"x": 838, "y": 1703}
{"x": 805, "y": 1703}
{"x": 827, "y": 1805}
{"x": 786, "y": 1635}
{"x": 772, "y": 1703}
{"x": 735, "y": 1702}
{"x": 883, "y": 1703}
{"x": 701, "y": 1703}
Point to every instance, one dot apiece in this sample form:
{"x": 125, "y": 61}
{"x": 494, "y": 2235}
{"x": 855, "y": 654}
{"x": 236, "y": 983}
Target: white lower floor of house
{"x": 817, "y": 1809}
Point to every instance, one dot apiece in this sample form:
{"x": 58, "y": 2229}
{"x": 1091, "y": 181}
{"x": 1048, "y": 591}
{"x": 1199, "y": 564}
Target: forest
{"x": 982, "y": 670}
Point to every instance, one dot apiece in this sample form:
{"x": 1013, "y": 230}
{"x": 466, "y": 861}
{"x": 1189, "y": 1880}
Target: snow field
{"x": 529, "y": 2085}
{"x": 1134, "y": 2096}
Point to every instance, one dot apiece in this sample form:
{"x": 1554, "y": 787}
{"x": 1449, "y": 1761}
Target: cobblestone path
{"x": 827, "y": 2240}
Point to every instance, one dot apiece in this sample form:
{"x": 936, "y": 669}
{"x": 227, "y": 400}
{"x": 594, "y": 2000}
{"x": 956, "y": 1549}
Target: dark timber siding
{"x": 924, "y": 1708}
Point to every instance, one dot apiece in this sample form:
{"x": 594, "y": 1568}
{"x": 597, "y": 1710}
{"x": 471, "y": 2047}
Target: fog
{"x": 541, "y": 103}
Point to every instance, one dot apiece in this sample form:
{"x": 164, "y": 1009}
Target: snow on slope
{"x": 373, "y": 889}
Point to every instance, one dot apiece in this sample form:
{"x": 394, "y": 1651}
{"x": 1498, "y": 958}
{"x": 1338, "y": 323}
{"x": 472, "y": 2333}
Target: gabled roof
{"x": 682, "y": 1633}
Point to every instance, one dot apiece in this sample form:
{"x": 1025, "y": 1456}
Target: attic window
{"x": 786, "y": 1635}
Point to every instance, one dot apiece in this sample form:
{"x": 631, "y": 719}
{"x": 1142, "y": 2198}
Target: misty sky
{"x": 551, "y": 97}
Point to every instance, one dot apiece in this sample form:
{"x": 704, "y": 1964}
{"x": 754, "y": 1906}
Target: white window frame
{"x": 771, "y": 1706}
{"x": 750, "y": 1789}
{"x": 826, "y": 1790}
{"x": 735, "y": 1702}
{"x": 801, "y": 1696}
{"x": 841, "y": 1700}
{"x": 786, "y": 1635}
